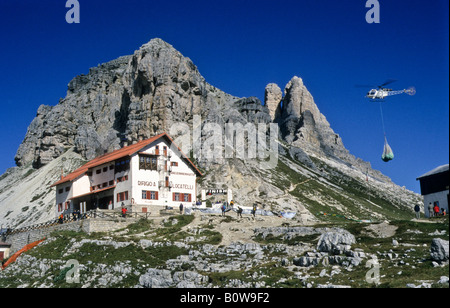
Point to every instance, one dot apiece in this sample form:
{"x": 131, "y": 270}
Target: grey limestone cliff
{"x": 134, "y": 97}
{"x": 127, "y": 99}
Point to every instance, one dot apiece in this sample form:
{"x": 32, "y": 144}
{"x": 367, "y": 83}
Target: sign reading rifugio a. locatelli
{"x": 175, "y": 185}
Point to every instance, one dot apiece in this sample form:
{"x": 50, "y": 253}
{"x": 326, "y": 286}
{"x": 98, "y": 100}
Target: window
{"x": 122, "y": 165}
{"x": 98, "y": 171}
{"x": 148, "y": 162}
{"x": 149, "y": 195}
{"x": 122, "y": 196}
{"x": 176, "y": 196}
{"x": 105, "y": 169}
{"x": 67, "y": 188}
{"x": 153, "y": 195}
{"x": 187, "y": 197}
{"x": 123, "y": 178}
{"x": 174, "y": 164}
{"x": 182, "y": 197}
{"x": 59, "y": 207}
{"x": 60, "y": 191}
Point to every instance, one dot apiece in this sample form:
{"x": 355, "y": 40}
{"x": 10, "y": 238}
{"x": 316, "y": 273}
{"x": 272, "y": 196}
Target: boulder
{"x": 156, "y": 278}
{"x": 335, "y": 242}
{"x": 439, "y": 250}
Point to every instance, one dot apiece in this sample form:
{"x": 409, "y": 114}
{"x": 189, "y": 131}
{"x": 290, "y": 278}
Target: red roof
{"x": 94, "y": 192}
{"x": 123, "y": 152}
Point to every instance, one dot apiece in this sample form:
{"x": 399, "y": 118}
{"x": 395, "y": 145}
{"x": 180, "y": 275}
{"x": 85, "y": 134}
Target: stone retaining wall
{"x": 21, "y": 239}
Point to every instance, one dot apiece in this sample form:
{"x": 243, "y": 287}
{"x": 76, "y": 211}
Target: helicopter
{"x": 380, "y": 93}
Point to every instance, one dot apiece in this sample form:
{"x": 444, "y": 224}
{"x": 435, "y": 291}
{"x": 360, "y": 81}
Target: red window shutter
{"x": 181, "y": 197}
{"x": 173, "y": 197}
{"x": 189, "y": 198}
{"x": 148, "y": 195}
{"x": 118, "y": 197}
{"x": 156, "y": 195}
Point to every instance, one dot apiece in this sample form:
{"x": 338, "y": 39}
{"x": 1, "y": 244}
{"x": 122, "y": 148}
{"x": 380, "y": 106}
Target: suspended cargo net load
{"x": 388, "y": 154}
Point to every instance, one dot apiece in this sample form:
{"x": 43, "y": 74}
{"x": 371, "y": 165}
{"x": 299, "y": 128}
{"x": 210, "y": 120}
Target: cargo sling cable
{"x": 388, "y": 154}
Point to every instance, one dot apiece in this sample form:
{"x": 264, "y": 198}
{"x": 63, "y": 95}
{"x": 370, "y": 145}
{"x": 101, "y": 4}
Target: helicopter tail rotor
{"x": 411, "y": 91}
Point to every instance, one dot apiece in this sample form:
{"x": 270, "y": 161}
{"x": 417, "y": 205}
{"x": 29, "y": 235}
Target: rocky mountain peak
{"x": 156, "y": 89}
{"x": 272, "y": 99}
{"x": 300, "y": 120}
{"x": 127, "y": 99}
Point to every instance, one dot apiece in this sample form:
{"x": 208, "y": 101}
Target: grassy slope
{"x": 411, "y": 262}
{"x": 346, "y": 196}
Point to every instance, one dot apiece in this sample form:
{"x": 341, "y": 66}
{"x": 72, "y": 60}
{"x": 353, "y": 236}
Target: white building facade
{"x": 152, "y": 172}
{"x": 434, "y": 186}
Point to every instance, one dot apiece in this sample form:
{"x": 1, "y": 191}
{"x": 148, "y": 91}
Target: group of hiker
{"x": 76, "y": 215}
{"x": 225, "y": 208}
{"x": 433, "y": 210}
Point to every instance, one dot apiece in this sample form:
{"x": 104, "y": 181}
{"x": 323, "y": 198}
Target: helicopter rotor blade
{"x": 365, "y": 86}
{"x": 389, "y": 81}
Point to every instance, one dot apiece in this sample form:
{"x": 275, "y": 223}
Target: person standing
{"x": 417, "y": 210}
{"x": 239, "y": 212}
{"x": 181, "y": 208}
{"x": 436, "y": 209}
{"x": 223, "y": 208}
{"x": 430, "y": 210}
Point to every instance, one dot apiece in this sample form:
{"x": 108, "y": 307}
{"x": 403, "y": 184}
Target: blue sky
{"x": 240, "y": 47}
